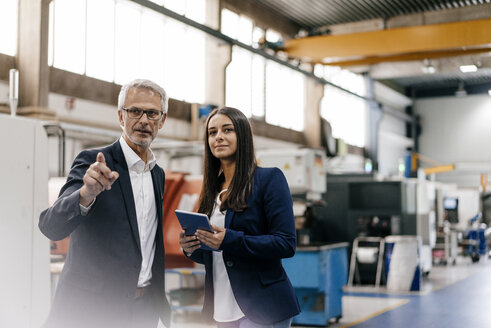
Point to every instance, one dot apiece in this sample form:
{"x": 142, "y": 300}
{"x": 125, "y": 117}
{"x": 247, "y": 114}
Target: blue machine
{"x": 318, "y": 274}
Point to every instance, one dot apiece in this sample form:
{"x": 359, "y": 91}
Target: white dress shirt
{"x": 226, "y": 307}
{"x": 146, "y": 210}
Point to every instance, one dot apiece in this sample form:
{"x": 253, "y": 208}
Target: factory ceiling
{"x": 415, "y": 45}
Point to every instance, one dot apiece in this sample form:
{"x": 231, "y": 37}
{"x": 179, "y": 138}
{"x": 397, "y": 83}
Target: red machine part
{"x": 176, "y": 185}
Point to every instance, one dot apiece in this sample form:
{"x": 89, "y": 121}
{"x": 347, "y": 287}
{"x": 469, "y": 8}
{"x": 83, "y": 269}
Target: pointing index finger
{"x": 100, "y": 158}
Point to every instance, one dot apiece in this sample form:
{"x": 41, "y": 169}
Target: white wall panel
{"x": 457, "y": 130}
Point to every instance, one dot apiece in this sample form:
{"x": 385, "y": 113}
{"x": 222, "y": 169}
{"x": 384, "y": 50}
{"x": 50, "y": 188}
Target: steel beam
{"x": 408, "y": 57}
{"x": 397, "y": 41}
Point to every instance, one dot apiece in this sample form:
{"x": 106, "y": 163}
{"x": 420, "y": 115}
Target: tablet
{"x": 191, "y": 221}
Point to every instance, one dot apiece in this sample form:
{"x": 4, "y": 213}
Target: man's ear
{"x": 161, "y": 124}
{"x": 120, "y": 115}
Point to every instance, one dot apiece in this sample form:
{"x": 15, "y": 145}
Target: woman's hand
{"x": 188, "y": 243}
{"x": 213, "y": 240}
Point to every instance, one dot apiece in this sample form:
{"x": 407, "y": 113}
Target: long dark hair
{"x": 245, "y": 165}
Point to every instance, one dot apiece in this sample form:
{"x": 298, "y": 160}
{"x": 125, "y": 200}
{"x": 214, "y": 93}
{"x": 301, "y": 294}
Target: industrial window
{"x": 284, "y": 96}
{"x": 245, "y": 74}
{"x": 260, "y": 87}
{"x": 347, "y": 113}
{"x": 263, "y": 88}
{"x": 272, "y": 36}
{"x": 100, "y": 39}
{"x": 69, "y": 35}
{"x": 238, "y": 81}
{"x": 237, "y": 27}
{"x": 346, "y": 79}
{"x": 185, "y": 64}
{"x": 192, "y": 9}
{"x": 119, "y": 40}
{"x": 8, "y": 26}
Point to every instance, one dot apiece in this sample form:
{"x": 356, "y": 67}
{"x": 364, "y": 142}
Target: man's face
{"x": 141, "y": 131}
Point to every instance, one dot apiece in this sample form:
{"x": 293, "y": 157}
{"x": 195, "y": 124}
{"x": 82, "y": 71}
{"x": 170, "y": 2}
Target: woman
{"x": 250, "y": 209}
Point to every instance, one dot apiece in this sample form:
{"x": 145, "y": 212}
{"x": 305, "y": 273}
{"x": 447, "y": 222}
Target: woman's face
{"x": 221, "y": 137}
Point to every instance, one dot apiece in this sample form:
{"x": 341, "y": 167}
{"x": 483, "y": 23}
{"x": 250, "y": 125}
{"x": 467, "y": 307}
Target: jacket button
{"x": 230, "y": 263}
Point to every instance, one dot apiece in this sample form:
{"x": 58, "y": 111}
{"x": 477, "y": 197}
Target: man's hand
{"x": 211, "y": 239}
{"x": 97, "y": 179}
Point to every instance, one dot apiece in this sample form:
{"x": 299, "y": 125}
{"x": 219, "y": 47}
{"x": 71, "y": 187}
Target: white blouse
{"x": 226, "y": 307}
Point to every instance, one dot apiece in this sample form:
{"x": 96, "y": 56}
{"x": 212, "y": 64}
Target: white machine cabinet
{"x": 24, "y": 251}
{"x": 304, "y": 169}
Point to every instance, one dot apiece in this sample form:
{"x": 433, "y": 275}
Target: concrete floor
{"x": 452, "y": 296}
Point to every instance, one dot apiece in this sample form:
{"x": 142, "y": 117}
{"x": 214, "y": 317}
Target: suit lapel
{"x": 158, "y": 180}
{"x": 228, "y": 218}
{"x": 126, "y": 190}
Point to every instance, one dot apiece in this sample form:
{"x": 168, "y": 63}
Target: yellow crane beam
{"x": 407, "y": 57}
{"x": 398, "y": 41}
{"x": 439, "y": 169}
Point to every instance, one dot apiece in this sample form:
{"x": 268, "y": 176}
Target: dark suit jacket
{"x": 101, "y": 270}
{"x": 255, "y": 242}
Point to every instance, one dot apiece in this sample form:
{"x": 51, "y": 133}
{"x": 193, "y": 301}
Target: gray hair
{"x": 143, "y": 84}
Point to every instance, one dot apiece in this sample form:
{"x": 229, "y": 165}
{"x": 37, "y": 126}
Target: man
{"x": 111, "y": 207}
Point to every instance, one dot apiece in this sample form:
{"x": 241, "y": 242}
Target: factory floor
{"x": 452, "y": 296}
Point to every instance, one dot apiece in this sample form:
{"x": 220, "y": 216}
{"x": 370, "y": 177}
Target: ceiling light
{"x": 428, "y": 68}
{"x": 489, "y": 92}
{"x": 468, "y": 68}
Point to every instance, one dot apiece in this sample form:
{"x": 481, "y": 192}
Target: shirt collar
{"x": 134, "y": 161}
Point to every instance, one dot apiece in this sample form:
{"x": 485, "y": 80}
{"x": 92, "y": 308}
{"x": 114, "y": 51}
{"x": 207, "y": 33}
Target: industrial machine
{"x": 305, "y": 172}
{"x": 318, "y": 274}
{"x": 25, "y": 290}
{"x": 319, "y": 269}
{"x": 360, "y": 206}
{"x": 304, "y": 169}
{"x": 181, "y": 192}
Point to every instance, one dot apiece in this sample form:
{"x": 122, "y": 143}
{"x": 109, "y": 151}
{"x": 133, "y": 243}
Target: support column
{"x": 373, "y": 122}
{"x": 32, "y": 54}
{"x": 314, "y": 92}
{"x": 218, "y": 56}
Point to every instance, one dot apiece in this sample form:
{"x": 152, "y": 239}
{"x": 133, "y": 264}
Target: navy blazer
{"x": 255, "y": 242}
{"x": 100, "y": 275}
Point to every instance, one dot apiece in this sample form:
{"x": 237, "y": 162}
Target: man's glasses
{"x": 137, "y": 113}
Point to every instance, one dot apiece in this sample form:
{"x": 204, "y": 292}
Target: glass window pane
{"x": 194, "y": 66}
{"x": 196, "y": 10}
{"x": 245, "y": 30}
{"x": 175, "y": 81}
{"x": 8, "y": 26}
{"x": 258, "y": 66}
{"x": 184, "y": 62}
{"x": 230, "y": 23}
{"x": 286, "y": 111}
{"x": 274, "y": 91}
{"x": 126, "y": 42}
{"x": 177, "y": 6}
{"x": 272, "y": 36}
{"x": 347, "y": 115}
{"x": 346, "y": 79}
{"x": 100, "y": 39}
{"x": 152, "y": 47}
{"x": 69, "y": 35}
{"x": 257, "y": 35}
{"x": 238, "y": 90}
{"x": 319, "y": 70}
